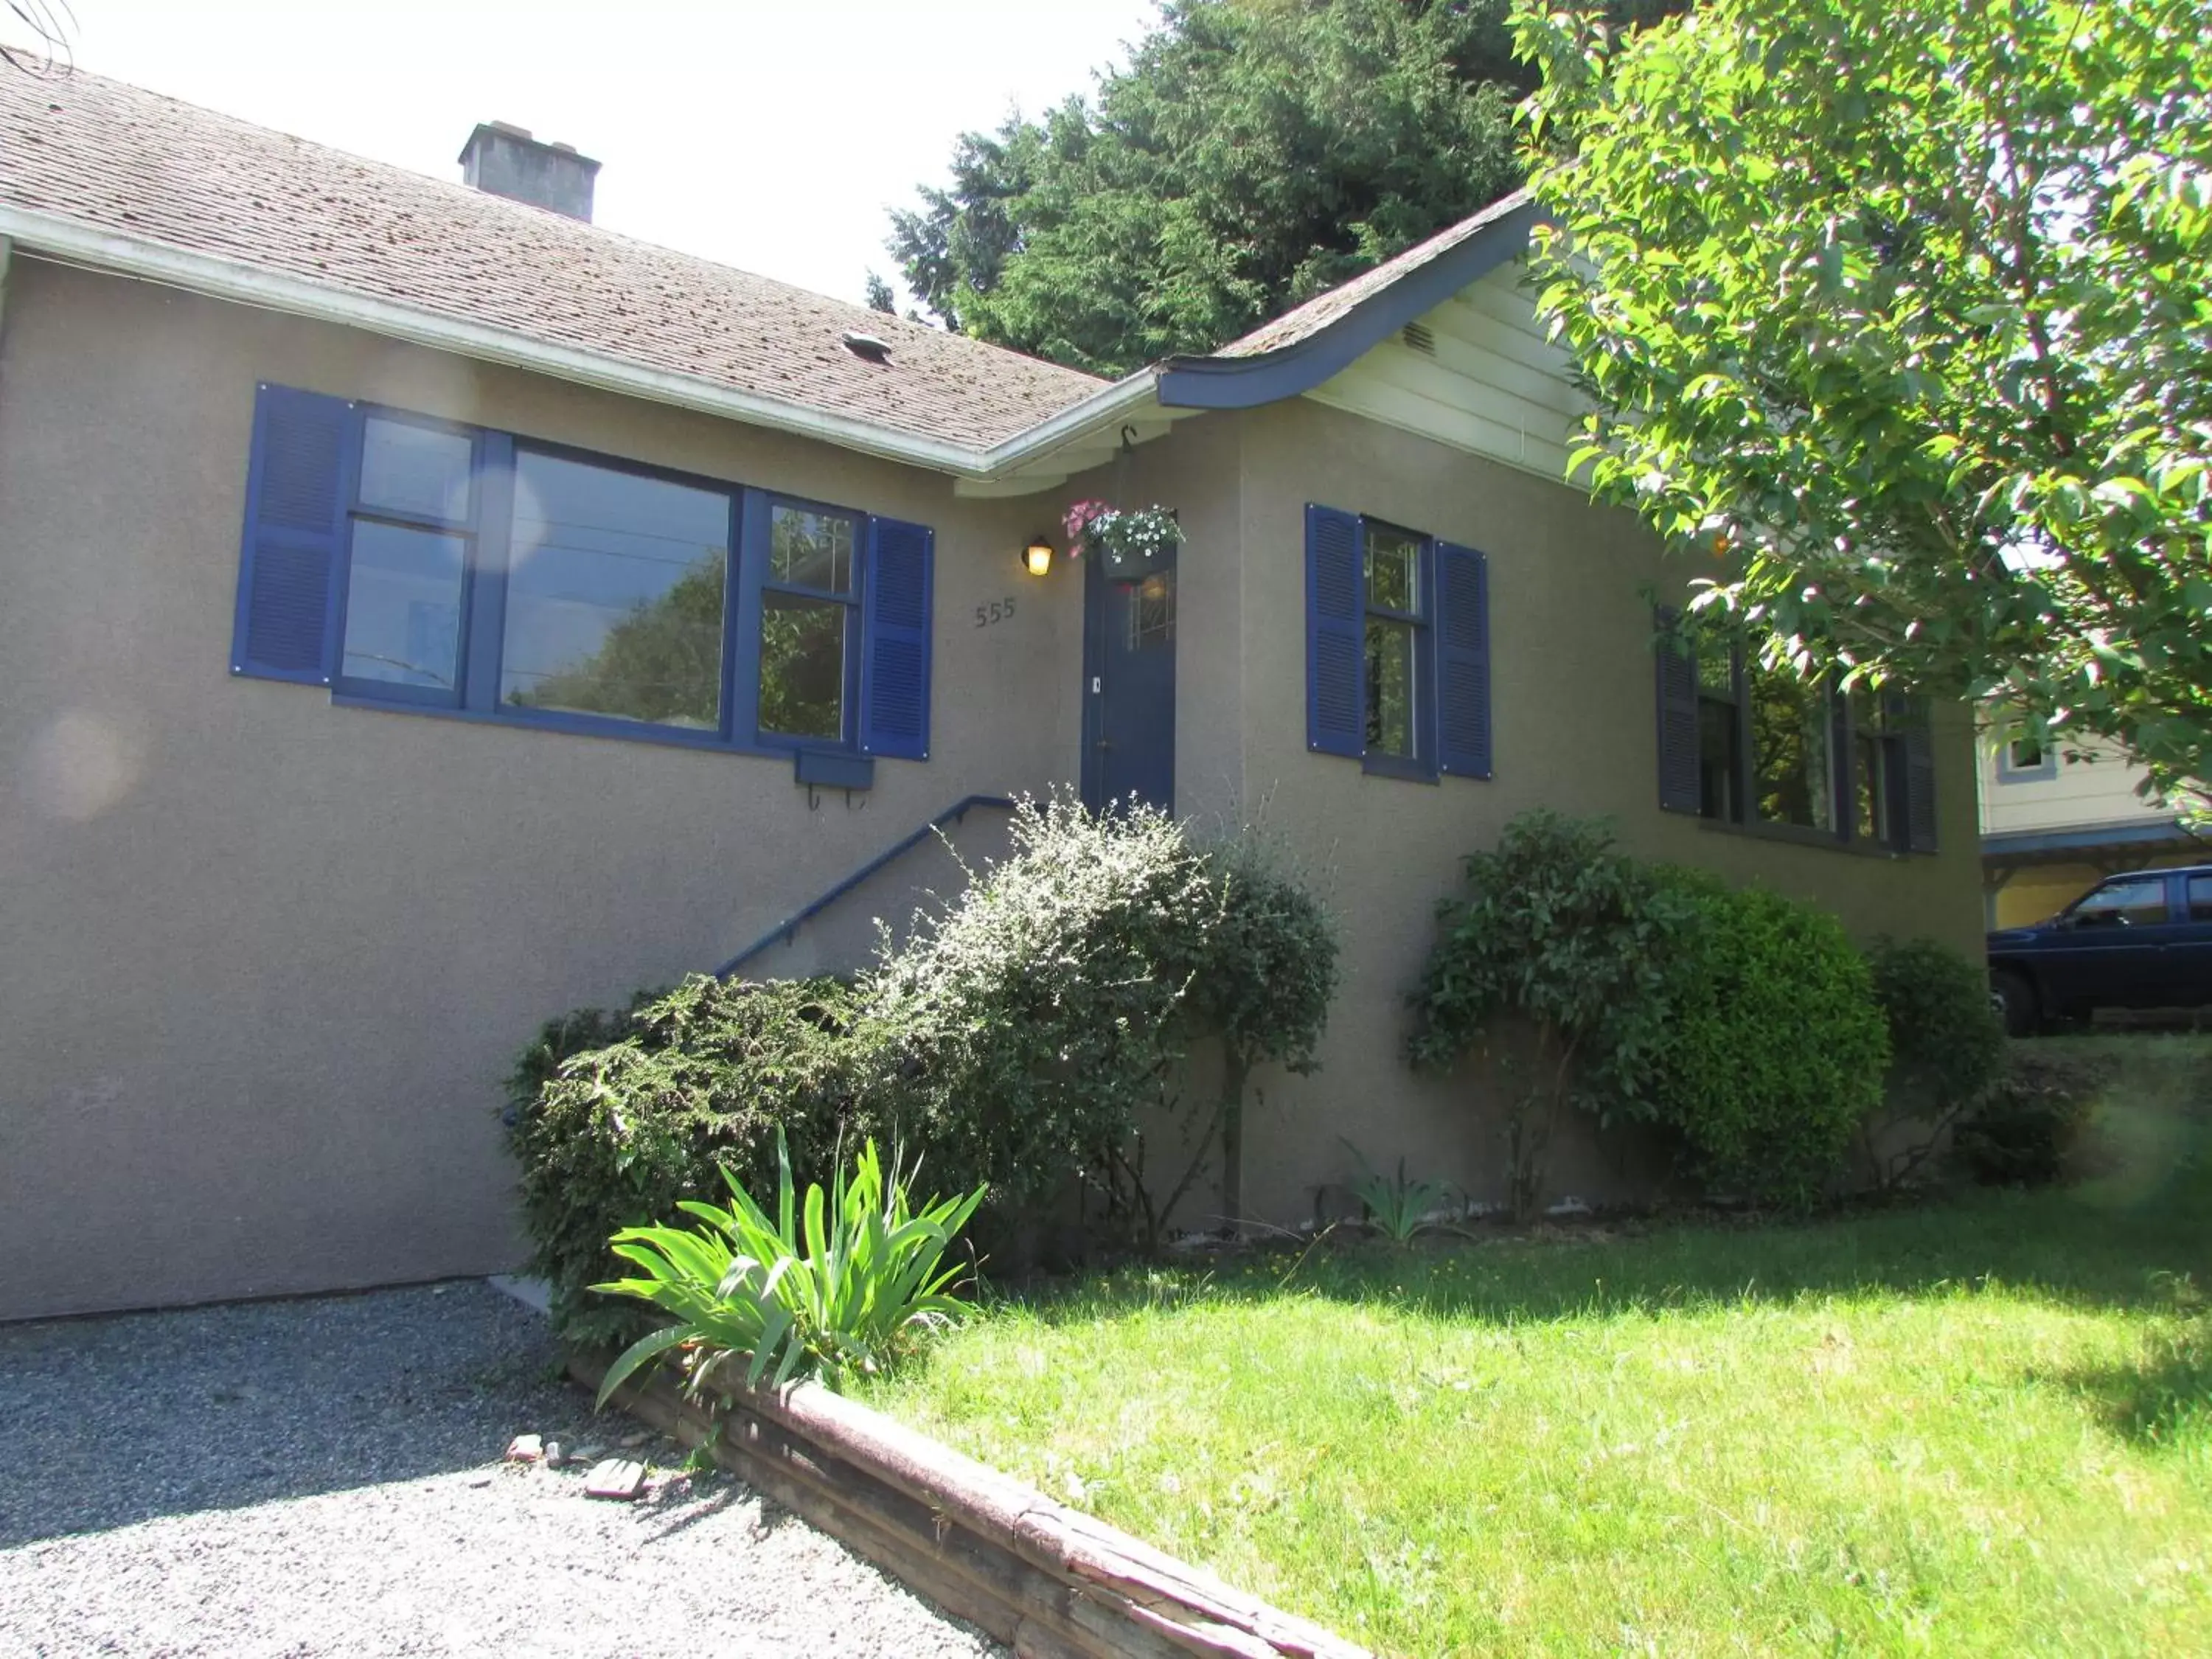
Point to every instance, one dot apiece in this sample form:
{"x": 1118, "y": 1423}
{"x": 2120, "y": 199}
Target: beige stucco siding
{"x": 1573, "y": 724}
{"x": 266, "y": 958}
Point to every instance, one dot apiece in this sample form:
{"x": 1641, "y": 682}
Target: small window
{"x": 614, "y": 594}
{"x": 1392, "y": 571}
{"x": 2025, "y": 754}
{"x": 1152, "y": 611}
{"x": 807, "y": 618}
{"x": 1720, "y": 747}
{"x": 1872, "y": 769}
{"x": 2200, "y": 898}
{"x": 1791, "y": 725}
{"x": 2139, "y": 901}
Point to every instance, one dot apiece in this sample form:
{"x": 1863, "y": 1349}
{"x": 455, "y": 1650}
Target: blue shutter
{"x": 894, "y": 640}
{"x": 1336, "y": 626}
{"x": 1462, "y": 661}
{"x": 1678, "y": 789}
{"x": 297, "y": 488}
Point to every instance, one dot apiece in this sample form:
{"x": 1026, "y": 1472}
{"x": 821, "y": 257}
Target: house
{"x": 426, "y": 612}
{"x": 2058, "y": 816}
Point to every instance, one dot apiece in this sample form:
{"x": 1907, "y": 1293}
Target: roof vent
{"x": 868, "y": 346}
{"x": 1418, "y": 339}
{"x": 501, "y": 159}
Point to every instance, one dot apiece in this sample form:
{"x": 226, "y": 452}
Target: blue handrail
{"x": 786, "y": 930}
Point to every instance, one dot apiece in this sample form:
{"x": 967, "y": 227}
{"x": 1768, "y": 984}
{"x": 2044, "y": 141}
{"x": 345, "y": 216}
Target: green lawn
{"x": 1981, "y": 1427}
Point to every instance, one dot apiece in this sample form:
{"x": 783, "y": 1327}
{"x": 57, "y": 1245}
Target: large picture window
{"x": 411, "y": 561}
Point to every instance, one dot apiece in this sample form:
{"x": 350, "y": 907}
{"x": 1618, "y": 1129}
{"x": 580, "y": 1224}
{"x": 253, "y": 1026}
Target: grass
{"x": 1982, "y": 1426}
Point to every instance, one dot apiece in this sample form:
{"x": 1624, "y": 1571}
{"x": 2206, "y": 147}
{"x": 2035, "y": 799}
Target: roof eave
{"x": 59, "y": 238}
{"x": 1269, "y": 377}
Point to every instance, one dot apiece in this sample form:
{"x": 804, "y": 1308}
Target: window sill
{"x": 584, "y": 725}
{"x": 1397, "y": 766}
{"x": 1791, "y": 835}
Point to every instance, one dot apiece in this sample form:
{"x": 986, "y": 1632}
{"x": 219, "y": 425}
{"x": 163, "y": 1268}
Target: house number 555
{"x": 997, "y": 611}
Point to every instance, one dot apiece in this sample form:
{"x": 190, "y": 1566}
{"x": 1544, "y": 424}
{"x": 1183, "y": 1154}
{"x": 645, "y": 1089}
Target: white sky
{"x": 771, "y": 137}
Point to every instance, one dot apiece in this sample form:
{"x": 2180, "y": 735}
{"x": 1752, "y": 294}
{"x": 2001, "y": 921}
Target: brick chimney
{"x": 504, "y": 159}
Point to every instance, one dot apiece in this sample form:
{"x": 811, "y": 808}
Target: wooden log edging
{"x": 1050, "y": 1581}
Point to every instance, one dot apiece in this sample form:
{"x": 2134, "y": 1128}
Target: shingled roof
{"x": 120, "y": 159}
{"x": 1324, "y": 309}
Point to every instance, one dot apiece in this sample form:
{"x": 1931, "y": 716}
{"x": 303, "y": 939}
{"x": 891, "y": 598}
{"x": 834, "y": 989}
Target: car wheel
{"x": 2015, "y": 1001}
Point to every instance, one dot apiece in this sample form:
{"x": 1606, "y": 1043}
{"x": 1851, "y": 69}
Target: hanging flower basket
{"x": 1125, "y": 537}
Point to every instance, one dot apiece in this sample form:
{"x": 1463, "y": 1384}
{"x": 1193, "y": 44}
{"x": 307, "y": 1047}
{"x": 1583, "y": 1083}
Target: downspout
{"x": 7, "y": 259}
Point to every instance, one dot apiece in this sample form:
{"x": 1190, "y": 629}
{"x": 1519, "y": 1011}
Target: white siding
{"x": 1494, "y": 386}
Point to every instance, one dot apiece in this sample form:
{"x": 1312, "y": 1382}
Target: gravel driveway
{"x": 323, "y": 1477}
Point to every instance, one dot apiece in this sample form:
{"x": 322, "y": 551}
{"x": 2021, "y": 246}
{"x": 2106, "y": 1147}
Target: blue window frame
{"x": 413, "y": 562}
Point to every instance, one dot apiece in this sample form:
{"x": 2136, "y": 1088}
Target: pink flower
{"x": 1079, "y": 520}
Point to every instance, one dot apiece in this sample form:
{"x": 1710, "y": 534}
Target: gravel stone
{"x": 324, "y": 1476}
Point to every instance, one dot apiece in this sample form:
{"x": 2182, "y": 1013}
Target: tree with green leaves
{"x": 1253, "y": 154}
{"x": 1899, "y": 313}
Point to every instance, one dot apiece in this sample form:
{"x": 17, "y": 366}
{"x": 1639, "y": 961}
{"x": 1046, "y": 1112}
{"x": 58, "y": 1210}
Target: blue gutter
{"x": 787, "y": 929}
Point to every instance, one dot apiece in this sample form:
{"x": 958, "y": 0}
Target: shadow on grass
{"x": 2116, "y": 1242}
{"x": 2162, "y": 1400}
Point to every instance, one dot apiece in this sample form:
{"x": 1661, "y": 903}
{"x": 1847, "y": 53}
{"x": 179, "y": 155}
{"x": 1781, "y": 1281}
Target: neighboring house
{"x": 598, "y": 608}
{"x": 2060, "y": 815}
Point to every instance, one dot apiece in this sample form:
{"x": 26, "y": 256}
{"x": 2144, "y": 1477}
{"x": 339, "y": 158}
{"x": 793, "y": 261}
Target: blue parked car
{"x": 2135, "y": 941}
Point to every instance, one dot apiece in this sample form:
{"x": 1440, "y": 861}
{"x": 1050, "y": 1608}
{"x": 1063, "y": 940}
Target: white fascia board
{"x": 72, "y": 241}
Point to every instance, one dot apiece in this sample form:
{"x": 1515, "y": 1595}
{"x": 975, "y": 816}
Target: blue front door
{"x": 1129, "y": 682}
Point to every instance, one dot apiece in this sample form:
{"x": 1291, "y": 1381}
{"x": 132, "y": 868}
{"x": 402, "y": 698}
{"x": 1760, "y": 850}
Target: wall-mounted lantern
{"x": 1036, "y": 557}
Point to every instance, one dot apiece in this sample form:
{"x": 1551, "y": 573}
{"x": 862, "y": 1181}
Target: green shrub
{"x": 843, "y": 1282}
{"x": 1561, "y": 932}
{"x": 1026, "y": 1025}
{"x": 1266, "y": 972}
{"x": 1777, "y": 1047}
{"x": 616, "y": 1119}
{"x": 1946, "y": 1046}
{"x": 2028, "y": 1130}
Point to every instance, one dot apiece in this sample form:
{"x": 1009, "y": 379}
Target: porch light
{"x": 1036, "y": 557}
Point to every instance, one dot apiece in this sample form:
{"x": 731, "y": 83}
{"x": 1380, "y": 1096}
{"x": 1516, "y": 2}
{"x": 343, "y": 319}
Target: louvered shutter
{"x": 895, "y": 622}
{"x": 1677, "y": 672}
{"x": 1911, "y": 715}
{"x": 1462, "y": 661}
{"x": 298, "y": 489}
{"x": 1336, "y": 615}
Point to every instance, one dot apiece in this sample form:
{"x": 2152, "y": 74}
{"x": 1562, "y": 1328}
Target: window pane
{"x": 1389, "y": 688}
{"x": 811, "y": 549}
{"x": 1152, "y": 611}
{"x": 1394, "y": 569}
{"x": 802, "y": 683}
{"x": 614, "y": 598}
{"x": 406, "y": 468}
{"x": 403, "y": 606}
{"x": 2139, "y": 903}
{"x": 1792, "y": 783}
{"x": 1716, "y": 761}
{"x": 2200, "y": 898}
{"x": 2025, "y": 753}
{"x": 1717, "y": 673}
{"x": 1870, "y": 791}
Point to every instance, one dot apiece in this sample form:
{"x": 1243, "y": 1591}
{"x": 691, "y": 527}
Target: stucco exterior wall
{"x": 266, "y": 958}
{"x": 1574, "y": 725}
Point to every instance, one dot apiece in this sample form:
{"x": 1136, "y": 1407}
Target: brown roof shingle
{"x": 1318, "y": 313}
{"x": 125, "y": 160}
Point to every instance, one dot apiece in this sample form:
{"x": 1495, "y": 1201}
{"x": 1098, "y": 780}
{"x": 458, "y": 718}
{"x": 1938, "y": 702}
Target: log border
{"x": 1049, "y": 1581}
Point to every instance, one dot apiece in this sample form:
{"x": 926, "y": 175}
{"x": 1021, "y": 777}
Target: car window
{"x": 2136, "y": 904}
{"x": 2200, "y": 898}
